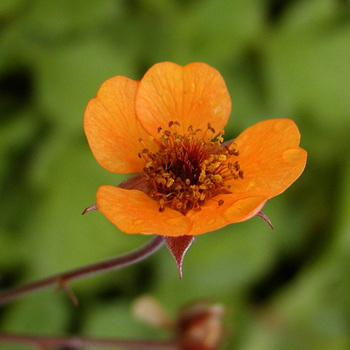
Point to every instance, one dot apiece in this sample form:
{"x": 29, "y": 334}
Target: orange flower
{"x": 168, "y": 127}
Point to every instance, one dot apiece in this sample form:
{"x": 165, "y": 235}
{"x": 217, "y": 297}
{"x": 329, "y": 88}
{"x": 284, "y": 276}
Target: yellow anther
{"x": 218, "y": 178}
{"x": 188, "y": 169}
{"x": 178, "y": 205}
{"x": 170, "y": 182}
{"x": 207, "y": 181}
{"x": 201, "y": 177}
{"x": 160, "y": 180}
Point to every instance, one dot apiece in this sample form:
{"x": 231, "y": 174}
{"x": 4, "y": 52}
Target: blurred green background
{"x": 283, "y": 289}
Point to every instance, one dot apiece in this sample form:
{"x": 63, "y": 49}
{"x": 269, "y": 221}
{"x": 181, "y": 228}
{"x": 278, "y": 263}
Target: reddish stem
{"x": 62, "y": 279}
{"x": 77, "y": 342}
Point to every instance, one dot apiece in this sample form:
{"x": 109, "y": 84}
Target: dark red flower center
{"x": 188, "y": 170}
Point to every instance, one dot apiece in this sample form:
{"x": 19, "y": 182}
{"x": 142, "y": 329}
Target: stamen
{"x": 188, "y": 170}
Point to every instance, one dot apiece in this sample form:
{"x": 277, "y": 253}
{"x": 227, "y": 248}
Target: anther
{"x": 218, "y": 178}
{"x": 220, "y": 202}
{"x": 160, "y": 180}
{"x": 201, "y": 177}
{"x": 179, "y": 205}
{"x": 170, "y": 182}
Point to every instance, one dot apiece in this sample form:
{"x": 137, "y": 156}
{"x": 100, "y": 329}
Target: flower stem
{"x": 62, "y": 279}
{"x": 45, "y": 342}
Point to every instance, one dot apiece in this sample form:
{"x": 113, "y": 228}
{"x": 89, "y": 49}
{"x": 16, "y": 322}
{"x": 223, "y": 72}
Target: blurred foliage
{"x": 285, "y": 289}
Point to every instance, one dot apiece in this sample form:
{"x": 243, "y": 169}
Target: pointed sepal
{"x": 90, "y": 208}
{"x": 265, "y": 218}
{"x": 178, "y": 247}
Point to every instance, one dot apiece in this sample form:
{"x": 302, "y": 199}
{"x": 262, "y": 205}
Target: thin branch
{"x": 62, "y": 279}
{"x": 77, "y": 342}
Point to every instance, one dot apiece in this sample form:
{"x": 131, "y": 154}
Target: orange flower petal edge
{"x": 193, "y": 95}
{"x": 112, "y": 129}
{"x": 234, "y": 209}
{"x": 189, "y": 182}
{"x": 132, "y": 211}
{"x": 270, "y": 156}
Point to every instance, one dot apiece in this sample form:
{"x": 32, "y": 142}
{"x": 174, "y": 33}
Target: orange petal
{"x": 234, "y": 209}
{"x": 270, "y": 157}
{"x": 132, "y": 211}
{"x": 112, "y": 128}
{"x": 195, "y": 95}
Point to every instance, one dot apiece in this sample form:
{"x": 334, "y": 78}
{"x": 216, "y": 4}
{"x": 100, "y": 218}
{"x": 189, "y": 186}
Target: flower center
{"x": 188, "y": 170}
